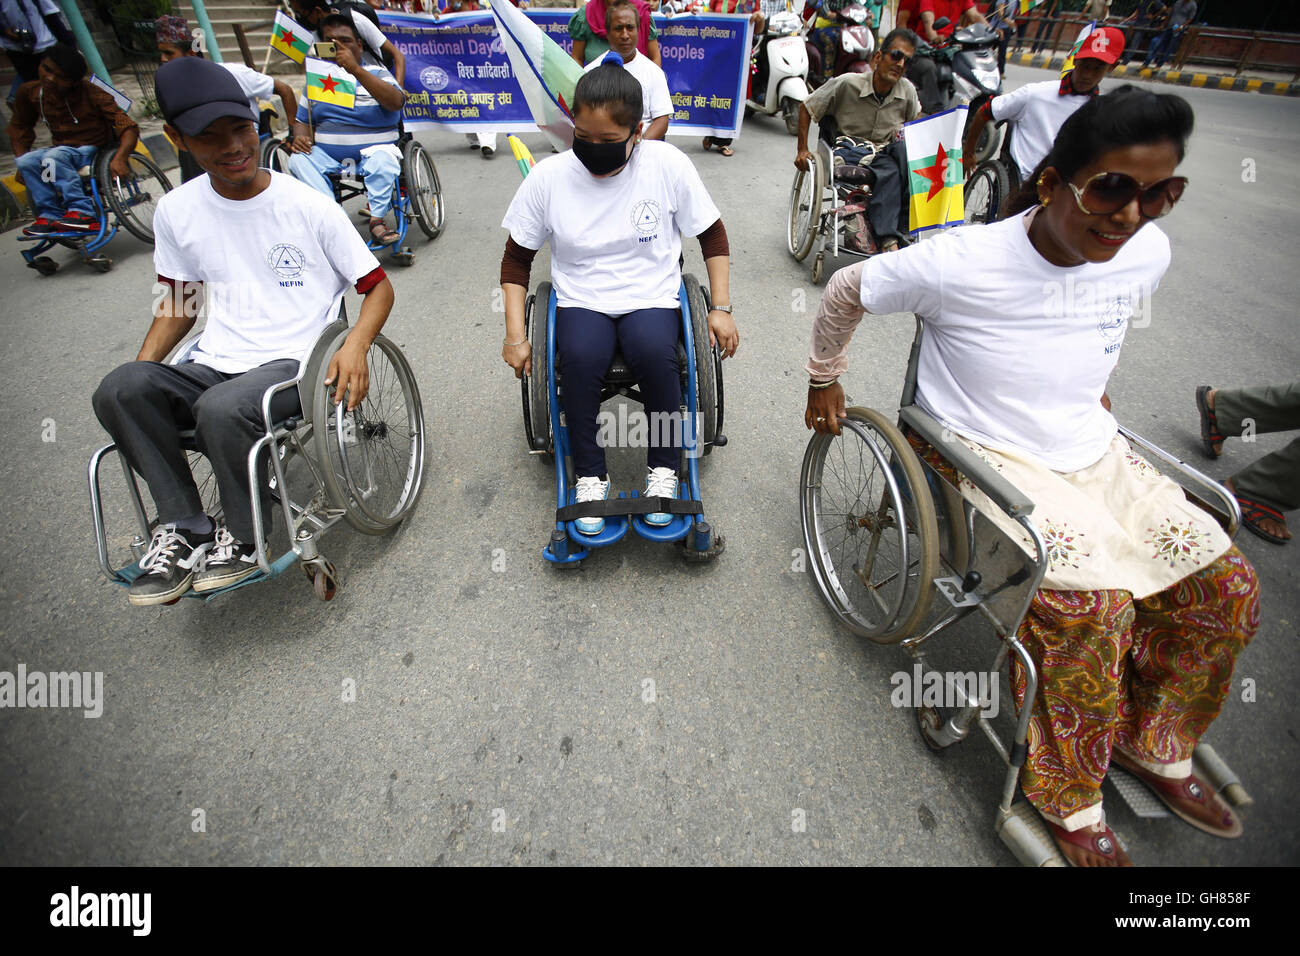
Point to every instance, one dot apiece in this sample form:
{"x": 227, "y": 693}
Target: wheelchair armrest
{"x": 1208, "y": 492}
{"x": 1000, "y": 491}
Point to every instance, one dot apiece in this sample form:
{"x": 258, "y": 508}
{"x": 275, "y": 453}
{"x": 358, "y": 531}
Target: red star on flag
{"x": 287, "y": 36}
{"x": 935, "y": 174}
{"x": 328, "y": 83}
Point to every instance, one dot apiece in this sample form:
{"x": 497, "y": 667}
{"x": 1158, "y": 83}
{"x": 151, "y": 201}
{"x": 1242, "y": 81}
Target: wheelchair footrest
{"x": 629, "y": 506}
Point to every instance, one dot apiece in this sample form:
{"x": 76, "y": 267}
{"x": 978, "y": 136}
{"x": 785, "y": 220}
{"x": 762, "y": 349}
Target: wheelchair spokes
{"x": 134, "y": 198}
{"x": 872, "y": 548}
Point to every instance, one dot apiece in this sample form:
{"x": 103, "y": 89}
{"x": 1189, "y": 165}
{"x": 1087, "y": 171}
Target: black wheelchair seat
{"x": 620, "y": 374}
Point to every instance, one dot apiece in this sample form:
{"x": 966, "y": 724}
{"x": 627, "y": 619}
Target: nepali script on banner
{"x": 458, "y": 76}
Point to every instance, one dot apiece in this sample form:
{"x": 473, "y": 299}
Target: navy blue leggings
{"x": 585, "y": 342}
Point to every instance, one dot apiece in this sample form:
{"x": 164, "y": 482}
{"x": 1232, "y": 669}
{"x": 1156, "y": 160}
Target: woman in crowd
{"x": 1146, "y": 604}
{"x": 612, "y": 209}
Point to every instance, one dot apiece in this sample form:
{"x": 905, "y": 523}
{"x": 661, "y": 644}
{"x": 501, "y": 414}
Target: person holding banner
{"x": 614, "y": 209}
{"x": 362, "y": 135}
{"x": 588, "y": 29}
{"x": 656, "y": 105}
{"x": 1146, "y": 604}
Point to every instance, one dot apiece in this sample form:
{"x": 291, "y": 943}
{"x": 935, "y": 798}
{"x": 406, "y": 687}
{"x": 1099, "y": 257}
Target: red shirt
{"x": 952, "y": 9}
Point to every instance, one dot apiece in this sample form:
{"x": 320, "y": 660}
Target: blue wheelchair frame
{"x": 568, "y": 545}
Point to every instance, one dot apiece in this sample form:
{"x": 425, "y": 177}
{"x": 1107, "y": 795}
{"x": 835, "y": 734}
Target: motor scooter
{"x": 780, "y": 79}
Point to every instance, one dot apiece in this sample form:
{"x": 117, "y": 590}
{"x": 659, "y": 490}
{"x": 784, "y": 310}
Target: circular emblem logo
{"x": 645, "y": 216}
{"x": 287, "y": 260}
{"x": 1114, "y": 319}
{"x": 434, "y": 78}
{"x": 498, "y": 46}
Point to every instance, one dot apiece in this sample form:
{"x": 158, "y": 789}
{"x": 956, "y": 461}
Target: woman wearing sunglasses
{"x": 1145, "y": 604}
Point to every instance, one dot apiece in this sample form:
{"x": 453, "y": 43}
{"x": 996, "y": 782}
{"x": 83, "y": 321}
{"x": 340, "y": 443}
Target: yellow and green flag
{"x": 1078, "y": 45}
{"x": 289, "y": 38}
{"x": 1024, "y": 6}
{"x": 329, "y": 83}
{"x": 934, "y": 173}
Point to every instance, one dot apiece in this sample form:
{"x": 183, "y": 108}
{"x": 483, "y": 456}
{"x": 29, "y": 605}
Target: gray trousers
{"x": 145, "y": 406}
{"x": 1267, "y": 408}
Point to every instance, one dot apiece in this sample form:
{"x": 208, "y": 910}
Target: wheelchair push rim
{"x": 372, "y": 458}
{"x": 805, "y": 209}
{"x": 134, "y": 199}
{"x": 870, "y": 527}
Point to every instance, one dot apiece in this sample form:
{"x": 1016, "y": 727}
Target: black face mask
{"x": 601, "y": 158}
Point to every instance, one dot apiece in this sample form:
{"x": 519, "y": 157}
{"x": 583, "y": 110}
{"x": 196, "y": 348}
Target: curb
{"x": 1211, "y": 81}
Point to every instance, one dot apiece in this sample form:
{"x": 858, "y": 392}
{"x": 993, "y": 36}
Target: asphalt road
{"x": 520, "y": 697}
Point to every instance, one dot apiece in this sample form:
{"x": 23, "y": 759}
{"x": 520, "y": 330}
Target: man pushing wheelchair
{"x": 273, "y": 258}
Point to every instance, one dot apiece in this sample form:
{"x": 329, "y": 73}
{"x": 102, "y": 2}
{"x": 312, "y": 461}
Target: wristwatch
{"x": 721, "y": 308}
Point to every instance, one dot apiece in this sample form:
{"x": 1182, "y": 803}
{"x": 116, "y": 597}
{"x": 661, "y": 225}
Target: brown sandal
{"x": 1191, "y": 799}
{"x": 380, "y": 232}
{"x": 1211, "y": 439}
{"x": 1101, "y": 843}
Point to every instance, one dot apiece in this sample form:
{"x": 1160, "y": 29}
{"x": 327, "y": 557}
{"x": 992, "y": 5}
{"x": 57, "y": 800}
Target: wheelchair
{"x": 547, "y": 435}
{"x": 364, "y": 467}
{"x": 991, "y": 182}
{"x": 885, "y": 531}
{"x": 418, "y": 195}
{"x": 130, "y": 202}
{"x": 819, "y": 206}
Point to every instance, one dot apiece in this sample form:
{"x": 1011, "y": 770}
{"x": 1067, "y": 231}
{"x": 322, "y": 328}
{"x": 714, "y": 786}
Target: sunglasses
{"x": 898, "y": 56}
{"x": 1108, "y": 193}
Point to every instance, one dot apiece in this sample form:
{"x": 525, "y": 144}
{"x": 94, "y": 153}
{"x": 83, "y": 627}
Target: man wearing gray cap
{"x": 272, "y": 258}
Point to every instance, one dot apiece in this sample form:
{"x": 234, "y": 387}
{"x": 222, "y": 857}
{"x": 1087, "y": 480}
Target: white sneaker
{"x": 591, "y": 489}
{"x": 660, "y": 483}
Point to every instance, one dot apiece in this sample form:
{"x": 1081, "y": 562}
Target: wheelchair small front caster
{"x": 324, "y": 578}
{"x": 713, "y": 546}
{"x": 929, "y": 721}
{"x": 818, "y": 266}
{"x": 44, "y": 265}
{"x": 404, "y": 258}
{"x": 100, "y": 263}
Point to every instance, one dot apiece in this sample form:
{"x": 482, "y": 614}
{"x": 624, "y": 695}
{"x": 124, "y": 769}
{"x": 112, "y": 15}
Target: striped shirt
{"x": 343, "y": 132}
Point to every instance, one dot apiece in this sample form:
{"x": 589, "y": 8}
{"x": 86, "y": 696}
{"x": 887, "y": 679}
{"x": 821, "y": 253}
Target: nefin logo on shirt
{"x": 288, "y": 262}
{"x": 647, "y": 219}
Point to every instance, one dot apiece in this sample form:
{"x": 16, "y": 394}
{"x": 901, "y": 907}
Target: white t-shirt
{"x": 614, "y": 241}
{"x": 655, "y": 101}
{"x": 1017, "y": 351}
{"x": 256, "y": 86}
{"x": 274, "y": 267}
{"x": 372, "y": 38}
{"x": 1038, "y": 110}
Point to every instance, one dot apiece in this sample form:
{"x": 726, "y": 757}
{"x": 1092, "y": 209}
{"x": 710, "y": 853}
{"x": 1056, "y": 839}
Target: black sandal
{"x": 1253, "y": 511}
{"x": 1210, "y": 435}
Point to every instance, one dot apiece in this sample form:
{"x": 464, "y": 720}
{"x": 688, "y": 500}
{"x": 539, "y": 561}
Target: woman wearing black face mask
{"x": 612, "y": 209}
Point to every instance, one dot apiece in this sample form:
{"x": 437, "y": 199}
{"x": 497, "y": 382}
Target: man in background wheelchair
{"x": 82, "y": 119}
{"x": 361, "y": 139}
{"x": 1144, "y": 604}
{"x": 272, "y": 259}
{"x": 868, "y": 111}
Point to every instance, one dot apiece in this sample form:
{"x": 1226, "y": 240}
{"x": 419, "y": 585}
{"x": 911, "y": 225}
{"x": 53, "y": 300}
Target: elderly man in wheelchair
{"x": 272, "y": 259}
{"x": 862, "y": 116}
{"x": 1121, "y": 603}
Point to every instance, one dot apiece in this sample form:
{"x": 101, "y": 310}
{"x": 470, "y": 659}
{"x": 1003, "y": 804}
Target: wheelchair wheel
{"x": 869, "y": 527}
{"x": 274, "y": 157}
{"x": 534, "y": 387}
{"x": 424, "y": 188}
{"x": 986, "y": 192}
{"x": 372, "y": 458}
{"x": 133, "y": 199}
{"x": 707, "y": 383}
{"x": 805, "y": 209}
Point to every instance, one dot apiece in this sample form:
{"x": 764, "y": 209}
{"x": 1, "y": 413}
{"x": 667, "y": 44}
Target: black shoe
{"x": 229, "y": 562}
{"x": 168, "y": 566}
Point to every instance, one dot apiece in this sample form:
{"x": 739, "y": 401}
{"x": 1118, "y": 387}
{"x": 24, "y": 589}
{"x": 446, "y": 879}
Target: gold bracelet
{"x": 812, "y": 384}
{"x": 512, "y": 344}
